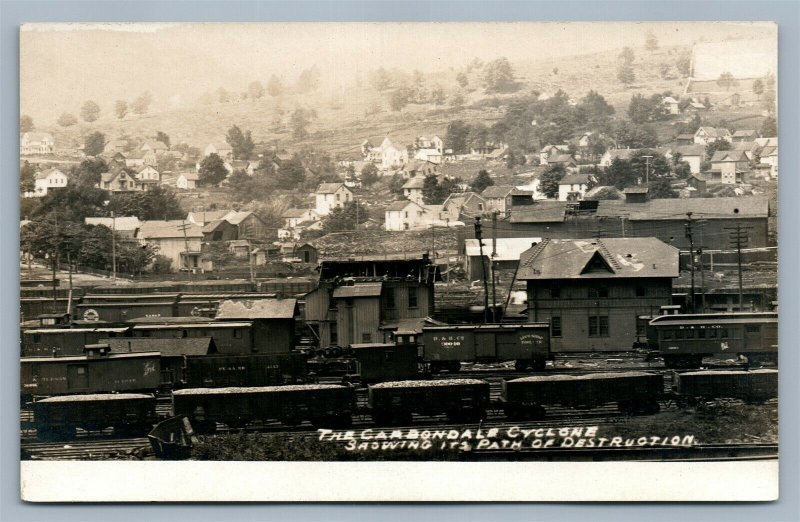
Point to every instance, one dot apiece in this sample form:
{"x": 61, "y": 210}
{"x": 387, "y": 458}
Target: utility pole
{"x": 479, "y": 237}
{"x": 702, "y": 281}
{"x": 113, "y": 249}
{"x": 739, "y": 235}
{"x": 494, "y": 266}
{"x": 183, "y": 226}
{"x": 647, "y": 169}
{"x": 691, "y": 256}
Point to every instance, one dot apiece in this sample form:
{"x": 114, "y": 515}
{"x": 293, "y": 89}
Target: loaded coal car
{"x": 634, "y": 393}
{"x": 754, "y": 386}
{"x": 323, "y": 405}
{"x": 684, "y": 339}
{"x": 460, "y": 399}
{"x": 97, "y": 371}
{"x": 64, "y": 341}
{"x": 130, "y": 414}
{"x": 220, "y": 371}
{"x": 446, "y": 347}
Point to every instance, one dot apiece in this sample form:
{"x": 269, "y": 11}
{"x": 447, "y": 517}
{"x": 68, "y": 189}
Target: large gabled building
{"x": 593, "y": 291}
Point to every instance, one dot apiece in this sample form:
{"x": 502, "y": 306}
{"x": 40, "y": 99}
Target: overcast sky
{"x": 64, "y": 65}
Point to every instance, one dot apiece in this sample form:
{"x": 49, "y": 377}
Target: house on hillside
{"x": 466, "y": 204}
{"x": 744, "y": 135}
{"x": 135, "y": 159}
{"x": 157, "y": 147}
{"x": 392, "y": 156}
{"x": 429, "y": 150}
{"x": 549, "y": 151}
{"x": 419, "y": 169}
{"x": 404, "y": 215}
{"x": 729, "y": 166}
{"x": 498, "y": 197}
{"x": 671, "y": 105}
{"x": 179, "y": 240}
{"x": 219, "y": 230}
{"x": 706, "y": 135}
{"x": 573, "y": 187}
{"x": 202, "y": 217}
{"x": 694, "y": 155}
{"x": 566, "y": 160}
{"x": 248, "y": 225}
{"x": 46, "y": 180}
{"x": 148, "y": 177}
{"x": 769, "y": 156}
{"x": 611, "y": 154}
{"x": 695, "y": 106}
{"x": 330, "y": 196}
{"x": 119, "y": 180}
{"x": 593, "y": 291}
{"x": 221, "y": 149}
{"x": 36, "y": 143}
{"x": 412, "y": 189}
{"x": 123, "y": 226}
{"x": 296, "y": 216}
{"x": 187, "y": 180}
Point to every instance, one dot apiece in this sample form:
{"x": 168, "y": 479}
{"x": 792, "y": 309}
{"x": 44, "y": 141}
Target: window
{"x": 366, "y": 338}
{"x": 334, "y": 334}
{"x": 555, "y": 326}
{"x": 723, "y": 333}
{"x": 667, "y": 335}
{"x": 390, "y": 298}
{"x": 701, "y": 333}
{"x": 37, "y": 338}
{"x": 752, "y": 328}
{"x": 185, "y": 333}
{"x": 348, "y": 302}
{"x": 406, "y": 213}
{"x": 480, "y": 206}
{"x": 597, "y": 293}
{"x": 237, "y": 334}
{"x": 598, "y": 326}
{"x": 412, "y": 297}
{"x": 331, "y": 301}
{"x": 640, "y": 291}
{"x": 555, "y": 293}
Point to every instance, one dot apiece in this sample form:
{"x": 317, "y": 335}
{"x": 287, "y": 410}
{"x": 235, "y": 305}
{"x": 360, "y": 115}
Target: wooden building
{"x": 592, "y": 291}
{"x": 273, "y": 321}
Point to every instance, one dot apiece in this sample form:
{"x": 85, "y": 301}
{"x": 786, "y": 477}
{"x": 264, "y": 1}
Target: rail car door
{"x": 752, "y": 338}
{"x": 485, "y": 348}
{"x": 77, "y": 377}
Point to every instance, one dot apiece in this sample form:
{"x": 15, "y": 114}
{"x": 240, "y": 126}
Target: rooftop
{"x": 497, "y": 191}
{"x": 359, "y": 290}
{"x": 330, "y": 188}
{"x": 257, "y": 309}
{"x": 508, "y": 248}
{"x": 167, "y": 347}
{"x": 702, "y": 208}
{"x": 122, "y": 223}
{"x": 169, "y": 229}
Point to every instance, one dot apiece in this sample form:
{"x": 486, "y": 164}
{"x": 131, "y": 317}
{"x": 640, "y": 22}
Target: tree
{"x": 462, "y": 80}
{"x": 498, "y": 76}
{"x": 456, "y": 100}
{"x": 25, "y": 123}
{"x": 481, "y": 181}
{"x": 661, "y": 189}
{"x": 625, "y": 73}
{"x": 120, "y": 108}
{"x": 626, "y": 55}
{"x": 714, "y": 146}
{"x": 369, "y": 174}
{"x": 758, "y": 87}
{"x": 595, "y": 108}
{"x": 651, "y": 42}
{"x": 160, "y": 202}
{"x": 380, "y": 79}
{"x": 67, "y": 120}
{"x": 163, "y": 138}
{"x": 642, "y": 110}
{"x": 308, "y": 81}
{"x": 161, "y": 265}
{"x": 769, "y": 128}
{"x": 94, "y": 143}
{"x": 255, "y": 90}
{"x": 274, "y": 86}
{"x": 241, "y": 142}
{"x": 291, "y": 173}
{"x": 88, "y": 172}
{"x": 142, "y": 104}
{"x": 437, "y": 96}
{"x": 620, "y": 174}
{"x": 682, "y": 170}
{"x": 400, "y": 98}
{"x": 457, "y": 137}
{"x": 663, "y": 70}
{"x": 212, "y": 170}
{"x": 27, "y": 180}
{"x": 511, "y": 159}
{"x": 631, "y": 136}
{"x": 726, "y": 81}
{"x": 300, "y": 120}
{"x": 346, "y": 217}
{"x": 434, "y": 192}
{"x": 656, "y": 165}
{"x": 548, "y": 182}
{"x": 684, "y": 63}
{"x": 90, "y": 111}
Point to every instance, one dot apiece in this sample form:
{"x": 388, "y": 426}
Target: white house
{"x": 412, "y": 189}
{"x": 46, "y": 180}
{"x": 769, "y": 156}
{"x": 671, "y": 105}
{"x": 404, "y": 215}
{"x": 691, "y": 154}
{"x": 430, "y": 150}
{"x": 178, "y": 240}
{"x": 706, "y": 135}
{"x": 221, "y": 149}
{"x": 611, "y": 154}
{"x": 36, "y": 143}
{"x": 148, "y": 177}
{"x": 573, "y": 187}
{"x": 330, "y": 196}
{"x": 551, "y": 150}
{"x": 187, "y": 180}
{"x": 498, "y": 197}
{"x": 391, "y": 156}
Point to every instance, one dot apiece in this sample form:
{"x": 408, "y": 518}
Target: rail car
{"x": 756, "y": 386}
{"x": 460, "y": 399}
{"x": 46, "y": 342}
{"x": 324, "y": 405}
{"x": 634, "y": 393}
{"x": 446, "y": 347}
{"x": 129, "y": 414}
{"x": 220, "y": 371}
{"x": 684, "y": 339}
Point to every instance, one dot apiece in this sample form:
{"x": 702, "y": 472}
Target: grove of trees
{"x": 90, "y": 111}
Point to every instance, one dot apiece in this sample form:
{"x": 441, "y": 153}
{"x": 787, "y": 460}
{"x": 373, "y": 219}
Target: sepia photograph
{"x": 395, "y": 243}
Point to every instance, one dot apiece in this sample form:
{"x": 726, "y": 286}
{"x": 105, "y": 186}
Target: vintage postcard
{"x": 399, "y": 261}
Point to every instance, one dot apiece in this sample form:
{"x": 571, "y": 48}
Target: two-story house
{"x": 498, "y": 197}
{"x": 36, "y": 143}
{"x": 403, "y": 215}
{"x": 220, "y": 148}
{"x": 47, "y": 180}
{"x": 706, "y": 135}
{"x": 573, "y": 187}
{"x": 412, "y": 189}
{"x": 729, "y": 166}
{"x": 179, "y": 240}
{"x": 330, "y": 196}
{"x": 466, "y": 204}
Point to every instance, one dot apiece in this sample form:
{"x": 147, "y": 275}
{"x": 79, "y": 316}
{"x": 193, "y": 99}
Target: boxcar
{"x": 64, "y": 341}
{"x": 218, "y": 371}
{"x": 128, "y": 413}
{"x": 324, "y": 405}
{"x": 230, "y": 338}
{"x": 750, "y": 386}
{"x": 459, "y": 399}
{"x": 445, "y": 347}
{"x": 376, "y": 362}
{"x": 634, "y": 392}
{"x": 89, "y": 374}
{"x": 684, "y": 339}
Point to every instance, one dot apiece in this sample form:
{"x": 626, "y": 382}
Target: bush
{"x": 161, "y": 265}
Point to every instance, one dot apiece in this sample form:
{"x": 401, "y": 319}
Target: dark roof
{"x": 330, "y": 188}
{"x": 169, "y": 229}
{"x": 540, "y": 212}
{"x": 676, "y": 209}
{"x": 691, "y": 150}
{"x": 168, "y": 347}
{"x": 295, "y": 213}
{"x": 399, "y": 205}
{"x": 635, "y": 190}
{"x": 561, "y": 158}
{"x": 384, "y": 244}
{"x": 257, "y": 309}
{"x": 729, "y": 156}
{"x": 744, "y": 133}
{"x": 497, "y": 191}
{"x": 211, "y": 226}
{"x": 599, "y": 258}
{"x": 575, "y": 179}
{"x": 359, "y": 290}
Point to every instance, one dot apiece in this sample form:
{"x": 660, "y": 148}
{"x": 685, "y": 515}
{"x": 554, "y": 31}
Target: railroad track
{"x": 87, "y": 448}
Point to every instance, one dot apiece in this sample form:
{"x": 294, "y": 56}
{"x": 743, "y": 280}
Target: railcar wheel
{"x": 454, "y": 366}
{"x": 435, "y": 367}
{"x": 539, "y": 365}
{"x": 520, "y": 365}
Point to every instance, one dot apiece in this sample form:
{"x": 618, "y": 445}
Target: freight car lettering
{"x": 149, "y": 368}
{"x": 531, "y": 339}
{"x": 723, "y": 346}
{"x": 53, "y": 379}
{"x": 124, "y": 381}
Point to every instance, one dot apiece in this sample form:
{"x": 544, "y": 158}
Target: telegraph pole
{"x": 183, "y": 226}
{"x": 494, "y": 266}
{"x": 479, "y": 237}
{"x": 113, "y": 248}
{"x": 739, "y": 235}
{"x": 702, "y": 281}
{"x": 647, "y": 169}
{"x": 691, "y": 256}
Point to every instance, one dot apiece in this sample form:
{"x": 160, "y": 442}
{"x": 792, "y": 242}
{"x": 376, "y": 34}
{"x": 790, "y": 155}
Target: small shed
{"x": 273, "y": 321}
